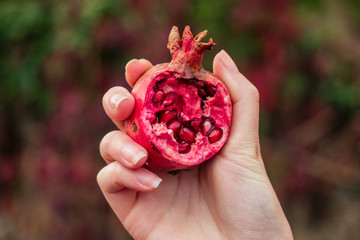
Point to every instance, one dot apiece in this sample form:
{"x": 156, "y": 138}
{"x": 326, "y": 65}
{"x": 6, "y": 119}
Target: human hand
{"x": 227, "y": 197}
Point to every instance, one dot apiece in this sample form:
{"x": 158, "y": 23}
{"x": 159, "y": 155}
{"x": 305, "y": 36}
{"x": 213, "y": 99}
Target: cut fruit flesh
{"x": 180, "y": 106}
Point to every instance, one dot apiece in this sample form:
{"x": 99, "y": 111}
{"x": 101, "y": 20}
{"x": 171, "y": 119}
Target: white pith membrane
{"x": 189, "y": 106}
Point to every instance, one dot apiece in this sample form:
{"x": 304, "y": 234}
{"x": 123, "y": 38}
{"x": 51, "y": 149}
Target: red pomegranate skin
{"x": 199, "y": 102}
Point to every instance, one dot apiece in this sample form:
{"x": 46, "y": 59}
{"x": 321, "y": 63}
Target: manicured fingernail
{"x": 147, "y": 178}
{"x": 156, "y": 183}
{"x": 138, "y": 157}
{"x": 227, "y": 61}
{"x": 116, "y": 99}
{"x": 132, "y": 153}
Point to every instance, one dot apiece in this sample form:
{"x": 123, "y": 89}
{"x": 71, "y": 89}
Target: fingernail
{"x": 116, "y": 99}
{"x": 147, "y": 178}
{"x": 132, "y": 153}
{"x": 227, "y": 61}
{"x": 138, "y": 157}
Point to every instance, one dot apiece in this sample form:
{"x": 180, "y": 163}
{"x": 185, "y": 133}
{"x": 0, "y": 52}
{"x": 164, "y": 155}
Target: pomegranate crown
{"x": 187, "y": 53}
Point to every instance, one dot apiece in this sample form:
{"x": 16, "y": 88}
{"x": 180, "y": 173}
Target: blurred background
{"x": 57, "y": 59}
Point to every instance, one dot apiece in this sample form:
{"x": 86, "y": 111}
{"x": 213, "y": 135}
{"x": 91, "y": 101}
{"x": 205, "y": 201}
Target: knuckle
{"x": 99, "y": 177}
{"x": 107, "y": 141}
{"x": 254, "y": 92}
{"x": 109, "y": 178}
{"x": 115, "y": 175}
{"x": 250, "y": 150}
{"x": 114, "y": 170}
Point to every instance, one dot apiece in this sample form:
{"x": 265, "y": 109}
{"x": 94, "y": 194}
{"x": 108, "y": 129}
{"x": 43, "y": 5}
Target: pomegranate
{"x": 182, "y": 113}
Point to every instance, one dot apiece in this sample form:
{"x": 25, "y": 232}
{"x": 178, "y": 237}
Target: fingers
{"x": 134, "y": 69}
{"x": 115, "y": 177}
{"x": 118, "y": 104}
{"x": 245, "y": 98}
{"x": 240, "y": 88}
{"x": 117, "y": 146}
{"x": 125, "y": 158}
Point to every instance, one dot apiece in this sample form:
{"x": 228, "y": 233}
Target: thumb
{"x": 245, "y": 99}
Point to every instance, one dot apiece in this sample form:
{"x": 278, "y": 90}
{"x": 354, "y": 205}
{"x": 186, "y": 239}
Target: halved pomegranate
{"x": 182, "y": 113}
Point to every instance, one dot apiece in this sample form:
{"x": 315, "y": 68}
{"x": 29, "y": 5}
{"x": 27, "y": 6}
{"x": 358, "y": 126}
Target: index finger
{"x": 118, "y": 103}
{"x": 134, "y": 69}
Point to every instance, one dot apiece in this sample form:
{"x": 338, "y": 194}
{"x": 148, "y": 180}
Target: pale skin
{"x": 227, "y": 197}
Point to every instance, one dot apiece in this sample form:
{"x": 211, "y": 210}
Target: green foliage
{"x": 342, "y": 89}
{"x": 25, "y": 36}
{"x": 296, "y": 85}
{"x": 21, "y": 19}
{"x": 210, "y": 15}
{"x": 342, "y": 96}
{"x": 353, "y": 9}
{"x": 308, "y": 6}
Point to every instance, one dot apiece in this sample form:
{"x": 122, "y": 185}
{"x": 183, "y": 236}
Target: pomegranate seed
{"x": 211, "y": 90}
{"x": 174, "y": 124}
{"x": 207, "y": 126}
{"x": 215, "y": 135}
{"x": 195, "y": 123}
{"x": 184, "y": 147}
{"x": 207, "y": 91}
{"x": 158, "y": 96}
{"x": 167, "y": 115}
{"x": 188, "y": 135}
{"x": 202, "y": 93}
{"x": 170, "y": 99}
